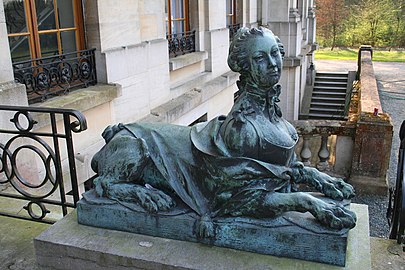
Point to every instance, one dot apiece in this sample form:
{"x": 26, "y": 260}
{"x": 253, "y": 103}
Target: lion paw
{"x": 148, "y": 197}
{"x": 336, "y": 217}
{"x": 153, "y": 200}
{"x": 337, "y": 189}
{"x": 205, "y": 228}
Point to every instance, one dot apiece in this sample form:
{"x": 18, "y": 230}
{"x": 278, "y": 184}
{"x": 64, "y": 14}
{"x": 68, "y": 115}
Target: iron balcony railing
{"x": 56, "y": 75}
{"x": 233, "y": 28}
{"x": 37, "y": 170}
{"x": 181, "y": 43}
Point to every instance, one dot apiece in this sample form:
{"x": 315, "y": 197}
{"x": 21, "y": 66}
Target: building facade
{"x": 139, "y": 60}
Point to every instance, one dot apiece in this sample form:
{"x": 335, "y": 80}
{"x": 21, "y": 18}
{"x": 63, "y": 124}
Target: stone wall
{"x": 374, "y": 130}
{"x": 295, "y": 25}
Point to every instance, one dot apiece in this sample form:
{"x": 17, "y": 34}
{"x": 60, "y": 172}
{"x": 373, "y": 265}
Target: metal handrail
{"x": 396, "y": 206}
{"x": 49, "y": 146}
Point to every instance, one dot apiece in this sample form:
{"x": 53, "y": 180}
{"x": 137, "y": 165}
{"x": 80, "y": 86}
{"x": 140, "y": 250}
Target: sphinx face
{"x": 265, "y": 61}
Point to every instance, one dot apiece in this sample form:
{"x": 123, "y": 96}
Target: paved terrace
{"x": 16, "y": 236}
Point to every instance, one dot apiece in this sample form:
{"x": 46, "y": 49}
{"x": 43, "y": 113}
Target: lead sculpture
{"x": 239, "y": 165}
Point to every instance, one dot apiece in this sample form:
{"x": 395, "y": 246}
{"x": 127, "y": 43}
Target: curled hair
{"x": 238, "y": 54}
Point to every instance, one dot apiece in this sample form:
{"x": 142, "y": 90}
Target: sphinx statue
{"x": 239, "y": 165}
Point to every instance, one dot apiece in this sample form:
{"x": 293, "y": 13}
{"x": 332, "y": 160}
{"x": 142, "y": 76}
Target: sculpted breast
{"x": 241, "y": 138}
{"x": 255, "y": 136}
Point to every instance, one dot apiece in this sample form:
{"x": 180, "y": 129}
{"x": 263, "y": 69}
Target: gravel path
{"x": 391, "y": 85}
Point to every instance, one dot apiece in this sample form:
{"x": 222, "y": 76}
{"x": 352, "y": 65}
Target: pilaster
{"x": 6, "y": 68}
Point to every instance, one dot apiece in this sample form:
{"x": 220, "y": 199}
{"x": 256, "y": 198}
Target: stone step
{"x": 334, "y": 94}
{"x": 328, "y": 109}
{"x": 329, "y": 99}
{"x": 331, "y": 79}
{"x": 325, "y": 116}
{"x": 332, "y": 74}
{"x": 321, "y": 110}
{"x": 327, "y": 83}
{"x": 329, "y": 88}
{"x": 327, "y": 104}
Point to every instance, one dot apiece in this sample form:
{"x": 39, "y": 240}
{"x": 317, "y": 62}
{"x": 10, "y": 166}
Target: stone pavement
{"x": 17, "y": 249}
{"x": 16, "y": 243}
{"x": 16, "y": 236}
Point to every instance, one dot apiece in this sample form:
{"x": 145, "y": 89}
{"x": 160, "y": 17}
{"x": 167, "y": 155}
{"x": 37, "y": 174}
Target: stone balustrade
{"x": 359, "y": 148}
{"x": 326, "y": 145}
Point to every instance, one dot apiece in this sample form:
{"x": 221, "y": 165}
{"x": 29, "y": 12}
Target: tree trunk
{"x": 333, "y": 38}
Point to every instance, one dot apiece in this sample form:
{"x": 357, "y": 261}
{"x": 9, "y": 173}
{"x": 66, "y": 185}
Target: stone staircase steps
{"x": 329, "y": 96}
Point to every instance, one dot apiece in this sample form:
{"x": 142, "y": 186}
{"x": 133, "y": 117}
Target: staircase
{"x": 329, "y": 95}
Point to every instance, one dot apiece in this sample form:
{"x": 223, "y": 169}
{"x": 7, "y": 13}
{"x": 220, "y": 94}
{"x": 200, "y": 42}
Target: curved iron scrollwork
{"x": 181, "y": 43}
{"x": 32, "y": 158}
{"x": 396, "y": 207}
{"x": 56, "y": 75}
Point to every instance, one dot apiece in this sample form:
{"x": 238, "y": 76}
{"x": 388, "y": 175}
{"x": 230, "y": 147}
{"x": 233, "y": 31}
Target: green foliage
{"x": 380, "y": 23}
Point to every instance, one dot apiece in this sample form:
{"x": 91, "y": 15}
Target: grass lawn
{"x": 379, "y": 55}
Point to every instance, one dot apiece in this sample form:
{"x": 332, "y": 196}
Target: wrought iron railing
{"x": 181, "y": 43}
{"x": 36, "y": 162}
{"x": 233, "y": 28}
{"x": 56, "y": 75}
{"x": 396, "y": 207}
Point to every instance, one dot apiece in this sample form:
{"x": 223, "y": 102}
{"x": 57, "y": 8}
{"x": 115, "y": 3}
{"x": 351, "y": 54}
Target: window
{"x": 41, "y": 28}
{"x": 230, "y": 12}
{"x": 181, "y": 40}
{"x": 231, "y": 18}
{"x": 176, "y": 16}
{"x": 46, "y": 41}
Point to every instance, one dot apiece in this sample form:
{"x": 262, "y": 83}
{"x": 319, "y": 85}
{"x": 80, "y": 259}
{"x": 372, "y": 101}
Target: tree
{"x": 373, "y": 22}
{"x": 330, "y": 19}
{"x": 399, "y": 38}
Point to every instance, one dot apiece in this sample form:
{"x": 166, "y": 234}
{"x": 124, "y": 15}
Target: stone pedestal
{"x": 70, "y": 245}
{"x": 371, "y": 153}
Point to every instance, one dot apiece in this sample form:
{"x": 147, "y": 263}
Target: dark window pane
{"x": 19, "y": 48}
{"x": 65, "y": 13}
{"x": 68, "y": 41}
{"x": 15, "y": 16}
{"x": 49, "y": 44}
{"x": 45, "y": 14}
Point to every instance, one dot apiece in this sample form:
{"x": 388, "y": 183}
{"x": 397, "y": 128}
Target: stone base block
{"x": 291, "y": 235}
{"x": 70, "y": 245}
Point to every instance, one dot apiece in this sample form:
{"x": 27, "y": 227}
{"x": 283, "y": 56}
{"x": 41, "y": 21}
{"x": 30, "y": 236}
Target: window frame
{"x": 185, "y": 19}
{"x": 34, "y": 33}
{"x": 231, "y": 15}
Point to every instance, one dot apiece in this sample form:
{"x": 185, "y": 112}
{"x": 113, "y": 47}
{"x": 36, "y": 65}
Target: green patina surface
{"x": 239, "y": 165}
